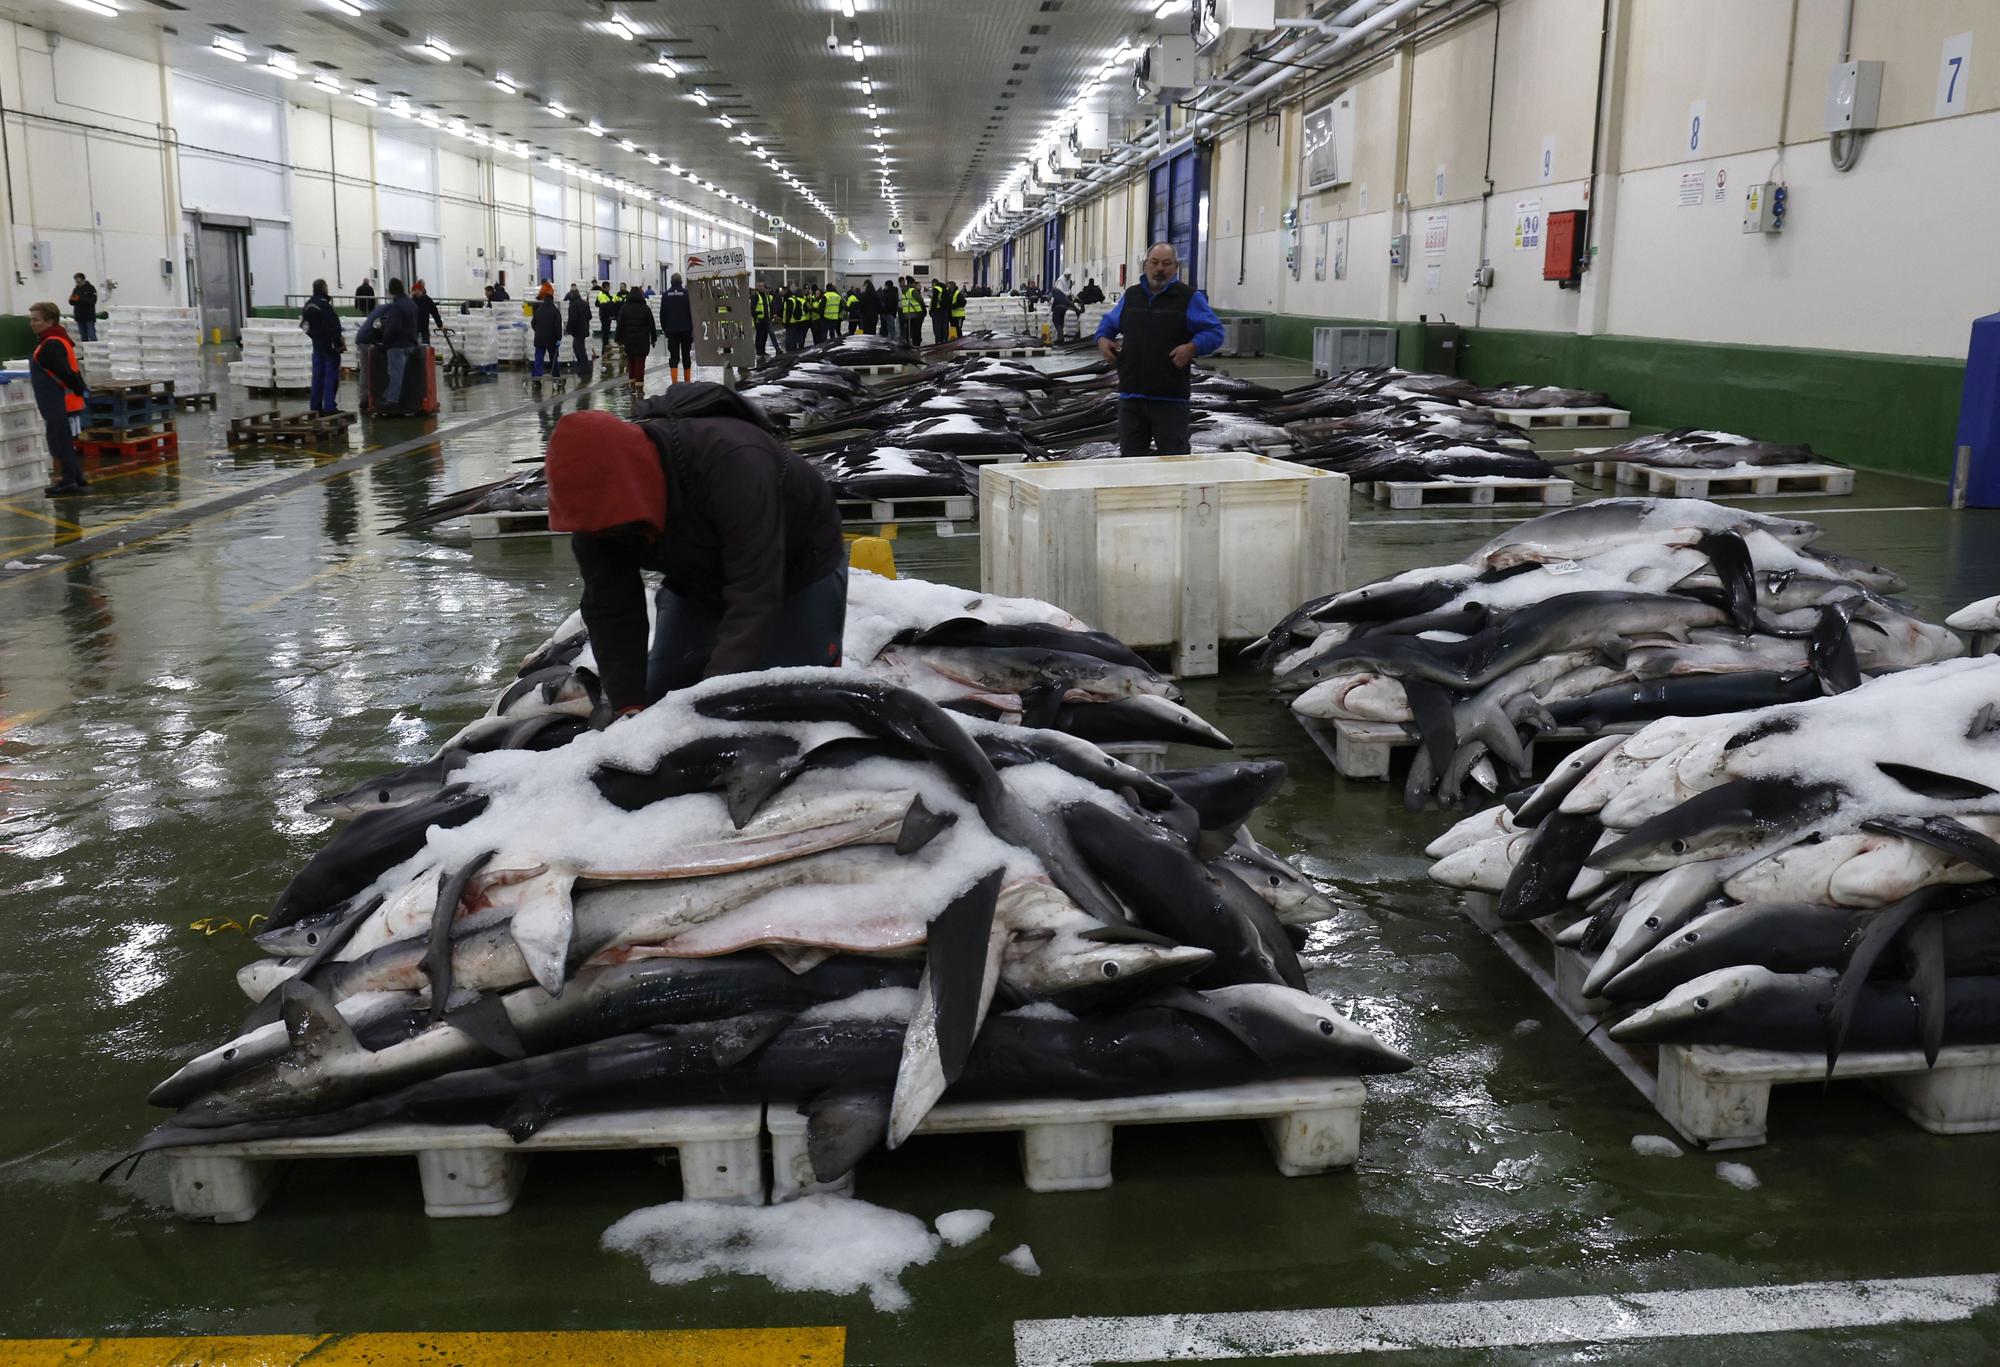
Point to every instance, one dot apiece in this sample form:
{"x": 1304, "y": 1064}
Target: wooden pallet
{"x": 947, "y": 508}
{"x": 1019, "y": 353}
{"x": 1313, "y": 1125}
{"x": 1563, "y": 417}
{"x": 1479, "y": 492}
{"x": 188, "y": 403}
{"x": 159, "y": 446}
{"x": 1761, "y": 481}
{"x": 281, "y": 429}
{"x": 132, "y": 389}
{"x": 274, "y": 390}
{"x": 132, "y": 431}
{"x": 1718, "y": 1097}
{"x": 1367, "y": 749}
{"x": 476, "y": 1169}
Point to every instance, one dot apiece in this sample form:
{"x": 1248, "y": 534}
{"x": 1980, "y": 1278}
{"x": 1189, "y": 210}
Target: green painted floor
{"x": 167, "y": 708}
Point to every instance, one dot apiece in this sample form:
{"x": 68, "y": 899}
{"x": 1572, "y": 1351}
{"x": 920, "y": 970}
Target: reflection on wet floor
{"x": 167, "y": 710}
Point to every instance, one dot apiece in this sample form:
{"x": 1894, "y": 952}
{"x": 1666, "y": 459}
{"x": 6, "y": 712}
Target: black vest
{"x": 1152, "y": 328}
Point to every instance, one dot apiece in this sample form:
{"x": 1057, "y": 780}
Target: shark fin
{"x": 1729, "y": 555}
{"x": 487, "y": 1022}
{"x": 842, "y": 1128}
{"x": 1882, "y": 928}
{"x": 741, "y": 1037}
{"x": 437, "y": 959}
{"x": 921, "y": 825}
{"x": 1430, "y": 704}
{"x": 1041, "y": 704}
{"x": 1953, "y": 837}
{"x": 961, "y": 969}
{"x": 1206, "y": 1008}
{"x": 542, "y": 929}
{"x": 1932, "y": 784}
{"x": 1925, "y": 943}
{"x": 314, "y": 1025}
{"x": 1830, "y": 648}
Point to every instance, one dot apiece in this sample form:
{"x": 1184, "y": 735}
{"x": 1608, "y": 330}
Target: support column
{"x": 1594, "y": 311}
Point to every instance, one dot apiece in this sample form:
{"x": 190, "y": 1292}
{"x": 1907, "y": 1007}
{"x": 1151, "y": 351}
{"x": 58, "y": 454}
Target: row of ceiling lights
{"x": 282, "y": 65}
{"x": 874, "y": 111}
{"x": 986, "y": 225}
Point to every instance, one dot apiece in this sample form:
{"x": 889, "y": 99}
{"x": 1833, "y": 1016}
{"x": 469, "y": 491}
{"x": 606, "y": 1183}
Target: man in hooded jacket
{"x": 745, "y": 532}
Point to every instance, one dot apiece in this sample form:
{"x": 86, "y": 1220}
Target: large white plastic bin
{"x": 1172, "y": 553}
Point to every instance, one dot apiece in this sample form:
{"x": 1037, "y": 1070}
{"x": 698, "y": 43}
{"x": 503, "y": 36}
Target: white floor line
{"x": 1522, "y": 512}
{"x": 1477, "y": 1325}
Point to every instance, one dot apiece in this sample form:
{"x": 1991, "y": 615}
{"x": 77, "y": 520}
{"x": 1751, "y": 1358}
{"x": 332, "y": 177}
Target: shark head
{"x": 1291, "y": 1029}
{"x": 1686, "y": 1012}
{"x": 1056, "y": 952}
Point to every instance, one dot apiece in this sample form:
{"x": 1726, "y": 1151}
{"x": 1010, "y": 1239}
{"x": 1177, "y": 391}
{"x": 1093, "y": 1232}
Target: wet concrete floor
{"x": 166, "y": 709}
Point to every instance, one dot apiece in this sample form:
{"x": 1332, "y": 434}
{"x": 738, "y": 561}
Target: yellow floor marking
{"x": 41, "y": 517}
{"x": 282, "y": 594}
{"x": 804, "y": 1347}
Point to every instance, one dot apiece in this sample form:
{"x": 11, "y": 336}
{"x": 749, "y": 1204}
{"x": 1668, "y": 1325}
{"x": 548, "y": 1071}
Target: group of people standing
{"x": 789, "y": 317}
{"x": 625, "y": 314}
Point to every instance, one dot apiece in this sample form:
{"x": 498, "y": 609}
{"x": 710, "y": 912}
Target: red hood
{"x": 604, "y": 472}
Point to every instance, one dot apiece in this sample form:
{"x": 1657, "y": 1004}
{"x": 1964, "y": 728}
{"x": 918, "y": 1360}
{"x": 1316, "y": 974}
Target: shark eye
{"x": 382, "y": 796}
{"x": 1109, "y": 969}
{"x": 312, "y": 937}
{"x": 1679, "y": 847}
{"x": 1276, "y": 881}
{"x": 1326, "y": 1027}
{"x": 1701, "y": 1003}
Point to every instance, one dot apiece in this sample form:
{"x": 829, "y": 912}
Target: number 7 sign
{"x": 1952, "y": 75}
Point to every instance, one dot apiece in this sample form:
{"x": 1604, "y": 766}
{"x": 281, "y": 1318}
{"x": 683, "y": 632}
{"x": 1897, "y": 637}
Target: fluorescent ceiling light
{"x": 557, "y": 110}
{"x": 622, "y": 29}
{"x": 436, "y": 51}
{"x": 867, "y": 86}
{"x": 628, "y": 144}
{"x": 102, "y": 11}
{"x": 593, "y": 129}
{"x": 327, "y": 83}
{"x": 366, "y": 97}
{"x": 431, "y": 119}
{"x": 346, "y": 7}
{"x": 653, "y": 157}
{"x": 521, "y": 149}
{"x": 280, "y": 64}
{"x": 699, "y": 96}
{"x": 847, "y": 9}
{"x": 225, "y": 46}
{"x": 725, "y": 120}
{"x": 860, "y": 52}
{"x": 762, "y": 155}
{"x": 502, "y": 83}
{"x": 666, "y": 66}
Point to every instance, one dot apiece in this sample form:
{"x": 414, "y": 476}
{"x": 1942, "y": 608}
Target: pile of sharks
{"x": 1809, "y": 876}
{"x": 853, "y": 890}
{"x": 1605, "y": 614}
{"x": 1382, "y": 423}
{"x": 1700, "y": 448}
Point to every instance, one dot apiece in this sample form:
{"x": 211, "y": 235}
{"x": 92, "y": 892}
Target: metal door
{"x": 224, "y": 301}
{"x": 545, "y": 267}
{"x": 604, "y": 271}
{"x": 400, "y": 259}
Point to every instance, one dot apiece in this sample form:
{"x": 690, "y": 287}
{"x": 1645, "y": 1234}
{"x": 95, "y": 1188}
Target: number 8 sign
{"x": 1697, "y": 114}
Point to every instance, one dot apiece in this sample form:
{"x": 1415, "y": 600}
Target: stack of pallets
{"x": 129, "y": 420}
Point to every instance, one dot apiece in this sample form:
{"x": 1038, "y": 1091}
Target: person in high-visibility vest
{"x": 851, "y": 309}
{"x": 957, "y": 309}
{"x": 57, "y": 384}
{"x": 940, "y": 311}
{"x": 913, "y": 313}
{"x": 830, "y": 300}
{"x": 795, "y": 319}
{"x": 760, "y": 310}
{"x": 606, "y": 307}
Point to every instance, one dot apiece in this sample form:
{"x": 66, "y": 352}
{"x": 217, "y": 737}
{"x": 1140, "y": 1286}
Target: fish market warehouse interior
{"x": 1050, "y": 682}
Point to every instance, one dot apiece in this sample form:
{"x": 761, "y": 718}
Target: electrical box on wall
{"x": 1764, "y": 208}
{"x": 1853, "y": 97}
{"x": 1213, "y": 18}
{"x": 1562, "y": 254}
{"x": 39, "y": 256}
{"x": 1168, "y": 65}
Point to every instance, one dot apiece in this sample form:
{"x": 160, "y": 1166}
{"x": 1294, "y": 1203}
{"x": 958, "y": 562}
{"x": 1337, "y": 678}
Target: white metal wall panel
{"x": 232, "y": 149}
{"x": 411, "y": 168}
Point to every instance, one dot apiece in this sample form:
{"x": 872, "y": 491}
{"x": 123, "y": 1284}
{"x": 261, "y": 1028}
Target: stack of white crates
{"x": 24, "y": 451}
{"x": 513, "y": 338}
{"x": 154, "y": 343}
{"x": 478, "y": 334}
{"x": 277, "y": 354}
{"x": 95, "y": 357}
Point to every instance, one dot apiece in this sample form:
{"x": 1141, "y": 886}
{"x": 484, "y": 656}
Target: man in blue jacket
{"x": 1165, "y": 324}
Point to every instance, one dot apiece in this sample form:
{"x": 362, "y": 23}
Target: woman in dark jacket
{"x": 546, "y": 325}
{"x": 59, "y": 392}
{"x": 744, "y": 530}
{"x": 677, "y": 324}
{"x": 636, "y": 333}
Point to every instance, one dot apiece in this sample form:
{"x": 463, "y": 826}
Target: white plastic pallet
{"x": 471, "y": 1170}
{"x": 1364, "y": 749}
{"x": 1479, "y": 491}
{"x": 501, "y": 526}
{"x": 1762, "y": 481}
{"x": 1718, "y": 1097}
{"x": 1313, "y": 1125}
{"x": 938, "y": 508}
{"x": 1564, "y": 417}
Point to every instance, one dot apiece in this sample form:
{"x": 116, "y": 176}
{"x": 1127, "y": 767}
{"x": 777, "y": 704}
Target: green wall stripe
{"x": 1872, "y": 410}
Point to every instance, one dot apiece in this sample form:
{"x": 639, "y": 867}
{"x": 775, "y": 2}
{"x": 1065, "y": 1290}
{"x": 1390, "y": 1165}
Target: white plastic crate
{"x": 1179, "y": 552}
{"x": 20, "y": 419}
{"x": 24, "y": 463}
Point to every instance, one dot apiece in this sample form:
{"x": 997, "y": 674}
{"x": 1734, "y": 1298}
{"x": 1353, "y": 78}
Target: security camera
{"x": 832, "y": 43}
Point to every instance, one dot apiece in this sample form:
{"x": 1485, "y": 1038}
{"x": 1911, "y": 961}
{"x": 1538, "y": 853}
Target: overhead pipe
{"x": 1380, "y": 19}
